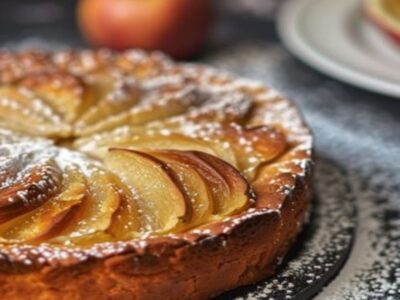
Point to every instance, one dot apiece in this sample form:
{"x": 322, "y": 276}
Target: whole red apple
{"x": 177, "y": 27}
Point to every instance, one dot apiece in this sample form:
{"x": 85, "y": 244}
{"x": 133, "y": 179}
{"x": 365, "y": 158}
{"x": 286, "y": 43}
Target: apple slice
{"x": 17, "y": 115}
{"x": 40, "y": 222}
{"x": 194, "y": 186}
{"x": 222, "y": 108}
{"x": 385, "y": 14}
{"x": 253, "y": 146}
{"x": 138, "y": 139}
{"x": 145, "y": 112}
{"x": 67, "y": 94}
{"x": 29, "y": 189}
{"x": 126, "y": 222}
{"x": 29, "y": 101}
{"x": 115, "y": 97}
{"x": 229, "y": 190}
{"x": 239, "y": 190}
{"x": 156, "y": 187}
{"x": 96, "y": 211}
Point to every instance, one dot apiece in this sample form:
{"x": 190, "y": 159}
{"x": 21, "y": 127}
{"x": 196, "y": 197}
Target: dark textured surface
{"x": 321, "y": 249}
{"x": 358, "y": 146}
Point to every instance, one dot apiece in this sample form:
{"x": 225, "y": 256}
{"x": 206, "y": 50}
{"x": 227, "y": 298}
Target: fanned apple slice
{"x": 39, "y": 223}
{"x": 230, "y": 191}
{"x": 24, "y": 112}
{"x": 29, "y": 189}
{"x": 17, "y": 116}
{"x": 126, "y": 222}
{"x": 139, "y": 139}
{"x": 253, "y": 146}
{"x": 67, "y": 94}
{"x": 156, "y": 187}
{"x": 145, "y": 112}
{"x": 217, "y": 185}
{"x": 22, "y": 128}
{"x": 29, "y": 101}
{"x": 239, "y": 189}
{"x": 221, "y": 108}
{"x": 194, "y": 186}
{"x": 116, "y": 98}
{"x": 95, "y": 213}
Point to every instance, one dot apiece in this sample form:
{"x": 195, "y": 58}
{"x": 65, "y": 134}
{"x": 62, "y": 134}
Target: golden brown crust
{"x": 197, "y": 264}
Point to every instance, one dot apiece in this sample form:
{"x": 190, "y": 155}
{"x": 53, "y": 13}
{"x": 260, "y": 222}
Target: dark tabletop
{"x": 356, "y": 130}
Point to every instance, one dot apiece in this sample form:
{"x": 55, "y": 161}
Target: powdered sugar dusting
{"x": 355, "y": 132}
{"x": 322, "y": 248}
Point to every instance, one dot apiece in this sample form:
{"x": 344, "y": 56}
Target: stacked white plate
{"x": 334, "y": 37}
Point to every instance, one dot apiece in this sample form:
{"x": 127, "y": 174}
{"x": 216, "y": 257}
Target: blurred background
{"x": 356, "y": 128}
{"x": 56, "y": 22}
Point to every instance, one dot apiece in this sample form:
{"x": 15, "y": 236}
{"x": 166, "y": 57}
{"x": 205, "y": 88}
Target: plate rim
{"x": 288, "y": 15}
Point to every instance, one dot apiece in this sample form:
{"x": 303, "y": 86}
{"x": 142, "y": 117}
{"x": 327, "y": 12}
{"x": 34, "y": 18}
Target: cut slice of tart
{"x": 385, "y": 14}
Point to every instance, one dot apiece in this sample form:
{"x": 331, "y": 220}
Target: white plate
{"x": 334, "y": 37}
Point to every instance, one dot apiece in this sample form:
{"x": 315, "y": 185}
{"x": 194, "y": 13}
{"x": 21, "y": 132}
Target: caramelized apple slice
{"x": 114, "y": 99}
{"x": 21, "y": 127}
{"x": 65, "y": 93}
{"x": 157, "y": 188}
{"x": 126, "y": 222}
{"x": 133, "y": 138}
{"x": 194, "y": 186}
{"x": 240, "y": 193}
{"x": 96, "y": 211}
{"x": 16, "y": 115}
{"x": 253, "y": 146}
{"x": 38, "y": 224}
{"x": 221, "y": 108}
{"x": 145, "y": 112}
{"x": 29, "y": 101}
{"x": 42, "y": 119}
{"x": 29, "y": 189}
{"x": 229, "y": 190}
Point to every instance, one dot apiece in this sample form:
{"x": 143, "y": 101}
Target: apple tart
{"x": 128, "y": 176}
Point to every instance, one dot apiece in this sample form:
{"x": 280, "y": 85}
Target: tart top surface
{"x": 101, "y": 150}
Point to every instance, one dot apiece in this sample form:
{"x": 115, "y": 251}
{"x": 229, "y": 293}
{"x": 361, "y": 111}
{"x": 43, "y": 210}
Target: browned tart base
{"x": 198, "y": 263}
